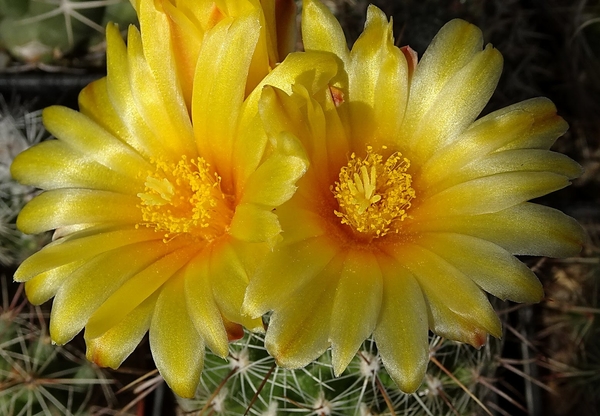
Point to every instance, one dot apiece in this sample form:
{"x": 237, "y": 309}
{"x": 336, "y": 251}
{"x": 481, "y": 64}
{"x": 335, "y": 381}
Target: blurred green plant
{"x": 43, "y": 31}
{"x": 19, "y": 129}
{"x": 37, "y": 377}
{"x": 459, "y": 380}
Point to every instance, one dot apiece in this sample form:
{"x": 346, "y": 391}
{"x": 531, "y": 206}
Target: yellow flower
{"x": 185, "y": 23}
{"x": 411, "y": 210}
{"x": 161, "y": 209}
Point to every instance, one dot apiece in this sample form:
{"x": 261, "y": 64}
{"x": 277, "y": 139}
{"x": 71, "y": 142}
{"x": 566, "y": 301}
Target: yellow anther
{"x": 164, "y": 191}
{"x": 374, "y": 195}
{"x": 363, "y": 189}
{"x": 184, "y": 198}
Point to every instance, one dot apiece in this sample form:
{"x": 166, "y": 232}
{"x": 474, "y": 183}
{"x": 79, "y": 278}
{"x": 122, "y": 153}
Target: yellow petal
{"x": 177, "y": 348}
{"x": 286, "y": 270}
{"x": 494, "y": 193}
{"x": 493, "y": 269}
{"x": 355, "y": 307}
{"x": 556, "y": 234}
{"x": 263, "y": 59}
{"x": 163, "y": 112}
{"x": 115, "y": 345}
{"x": 298, "y": 115}
{"x": 53, "y": 164}
{"x": 159, "y": 54}
{"x": 456, "y": 106}
{"x": 63, "y": 207}
{"x": 219, "y": 85}
{"x": 95, "y": 103}
{"x": 483, "y": 137}
{"x": 338, "y": 133}
{"x": 138, "y": 287}
{"x": 378, "y": 83}
{"x": 248, "y": 150}
{"x": 321, "y": 31}
{"x": 521, "y": 160}
{"x": 313, "y": 70}
{"x": 280, "y": 112}
{"x": 402, "y": 329}
{"x": 229, "y": 280}
{"x": 202, "y": 308}
{"x": 391, "y": 91}
{"x": 44, "y": 286}
{"x": 299, "y": 331}
{"x": 453, "y": 47}
{"x": 459, "y": 309}
{"x": 264, "y": 54}
{"x": 274, "y": 182}
{"x": 547, "y": 127}
{"x": 285, "y": 22}
{"x": 253, "y": 223}
{"x": 137, "y": 134}
{"x": 82, "y": 245}
{"x": 186, "y": 38}
{"x": 299, "y": 223}
{"x": 85, "y": 136}
{"x": 87, "y": 288}
{"x": 236, "y": 7}
{"x": 251, "y": 255}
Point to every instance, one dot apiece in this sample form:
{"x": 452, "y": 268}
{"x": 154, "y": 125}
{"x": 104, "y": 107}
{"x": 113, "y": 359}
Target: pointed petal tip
{"x": 407, "y": 379}
{"x": 535, "y": 294}
{"x": 58, "y": 335}
{"x": 182, "y": 389}
{"x": 495, "y": 330}
{"x": 409, "y": 386}
{"x": 479, "y": 337}
{"x": 460, "y": 28}
{"x": 251, "y": 309}
{"x": 340, "y": 359}
{"x": 282, "y": 357}
{"x": 221, "y": 349}
{"x": 100, "y": 358}
{"x": 20, "y": 277}
{"x": 495, "y": 57}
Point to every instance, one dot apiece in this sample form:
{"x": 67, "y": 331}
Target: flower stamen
{"x": 374, "y": 195}
{"x": 185, "y": 198}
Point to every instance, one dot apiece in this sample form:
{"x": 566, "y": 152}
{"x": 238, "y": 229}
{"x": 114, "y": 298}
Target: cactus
{"x": 37, "y": 377}
{"x": 249, "y": 382}
{"x": 19, "y": 129}
{"x": 43, "y": 31}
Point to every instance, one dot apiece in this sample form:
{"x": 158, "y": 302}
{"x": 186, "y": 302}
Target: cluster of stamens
{"x": 184, "y": 198}
{"x": 373, "y": 195}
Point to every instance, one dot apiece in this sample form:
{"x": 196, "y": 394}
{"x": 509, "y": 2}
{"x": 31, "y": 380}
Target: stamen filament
{"x": 374, "y": 195}
{"x": 185, "y": 198}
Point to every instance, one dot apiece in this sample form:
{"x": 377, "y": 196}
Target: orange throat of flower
{"x": 374, "y": 195}
{"x": 185, "y": 199}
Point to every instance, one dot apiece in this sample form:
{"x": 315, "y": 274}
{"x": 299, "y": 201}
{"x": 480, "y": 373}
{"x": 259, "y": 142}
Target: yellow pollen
{"x": 185, "y": 198}
{"x": 374, "y": 195}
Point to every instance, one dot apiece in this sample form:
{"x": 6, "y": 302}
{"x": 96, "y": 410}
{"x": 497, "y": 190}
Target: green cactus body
{"x": 13, "y": 8}
{"x": 37, "y": 377}
{"x": 41, "y": 31}
{"x": 233, "y": 387}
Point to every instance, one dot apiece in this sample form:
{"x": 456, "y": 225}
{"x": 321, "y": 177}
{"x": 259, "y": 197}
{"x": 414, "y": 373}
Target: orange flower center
{"x": 185, "y": 198}
{"x": 373, "y": 194}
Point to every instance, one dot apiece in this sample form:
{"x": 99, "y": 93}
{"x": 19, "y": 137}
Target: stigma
{"x": 185, "y": 198}
{"x": 374, "y": 195}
